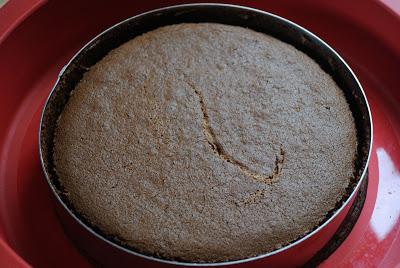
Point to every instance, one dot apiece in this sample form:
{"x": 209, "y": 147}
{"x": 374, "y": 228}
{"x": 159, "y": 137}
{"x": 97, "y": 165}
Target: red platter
{"x": 37, "y": 38}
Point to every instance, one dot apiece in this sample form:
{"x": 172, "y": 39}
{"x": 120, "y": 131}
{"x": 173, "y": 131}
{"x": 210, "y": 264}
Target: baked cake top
{"x": 205, "y": 142}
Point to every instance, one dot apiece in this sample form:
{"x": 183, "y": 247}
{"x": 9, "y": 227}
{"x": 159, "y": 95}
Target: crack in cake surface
{"x": 220, "y": 151}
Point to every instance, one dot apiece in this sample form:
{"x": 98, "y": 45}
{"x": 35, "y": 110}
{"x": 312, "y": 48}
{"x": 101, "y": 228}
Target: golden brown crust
{"x": 205, "y": 142}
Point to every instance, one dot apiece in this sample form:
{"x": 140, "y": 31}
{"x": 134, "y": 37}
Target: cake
{"x": 205, "y": 142}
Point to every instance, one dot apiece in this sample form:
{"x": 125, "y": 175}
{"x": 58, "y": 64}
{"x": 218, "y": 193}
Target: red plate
{"x": 38, "y": 38}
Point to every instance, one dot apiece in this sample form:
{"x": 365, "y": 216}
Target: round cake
{"x": 204, "y": 143}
